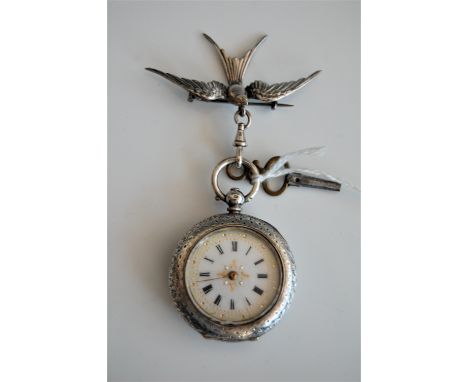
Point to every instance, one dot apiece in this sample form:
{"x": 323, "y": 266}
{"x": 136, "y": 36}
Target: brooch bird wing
{"x": 270, "y": 93}
{"x": 206, "y": 91}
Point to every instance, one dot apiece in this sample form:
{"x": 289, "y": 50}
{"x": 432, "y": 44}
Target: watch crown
{"x": 235, "y": 199}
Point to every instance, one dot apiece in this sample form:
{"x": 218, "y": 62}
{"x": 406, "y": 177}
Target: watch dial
{"x": 233, "y": 275}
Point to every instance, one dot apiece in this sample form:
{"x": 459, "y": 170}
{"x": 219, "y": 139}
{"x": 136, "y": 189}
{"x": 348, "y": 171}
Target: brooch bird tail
{"x": 235, "y": 67}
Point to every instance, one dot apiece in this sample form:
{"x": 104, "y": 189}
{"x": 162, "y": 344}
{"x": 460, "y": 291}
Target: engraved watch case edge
{"x": 208, "y": 327}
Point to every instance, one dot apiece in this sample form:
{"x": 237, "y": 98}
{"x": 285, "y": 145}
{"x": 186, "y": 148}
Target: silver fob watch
{"x": 233, "y": 275}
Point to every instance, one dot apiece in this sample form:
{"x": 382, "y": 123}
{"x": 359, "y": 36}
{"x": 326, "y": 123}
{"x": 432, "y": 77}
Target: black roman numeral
{"x": 208, "y": 288}
{"x": 260, "y": 275}
{"x": 258, "y": 290}
{"x": 211, "y": 261}
{"x": 220, "y": 250}
{"x": 205, "y": 274}
{"x": 232, "y": 304}
{"x": 248, "y": 302}
{"x": 248, "y": 251}
{"x": 218, "y": 299}
{"x": 259, "y": 261}
{"x": 234, "y": 246}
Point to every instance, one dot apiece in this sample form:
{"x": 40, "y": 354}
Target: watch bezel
{"x": 207, "y": 326}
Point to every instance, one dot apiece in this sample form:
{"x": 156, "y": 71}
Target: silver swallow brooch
{"x": 235, "y": 92}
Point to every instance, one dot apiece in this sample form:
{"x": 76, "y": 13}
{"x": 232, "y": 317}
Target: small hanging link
{"x": 241, "y": 113}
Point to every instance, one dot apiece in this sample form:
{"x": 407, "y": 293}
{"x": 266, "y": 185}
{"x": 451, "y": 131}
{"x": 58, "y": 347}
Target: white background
{"x": 162, "y": 150}
{"x": 53, "y": 191}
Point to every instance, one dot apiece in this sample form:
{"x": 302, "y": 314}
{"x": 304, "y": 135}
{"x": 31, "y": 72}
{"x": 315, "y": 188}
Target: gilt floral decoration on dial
{"x": 233, "y": 275}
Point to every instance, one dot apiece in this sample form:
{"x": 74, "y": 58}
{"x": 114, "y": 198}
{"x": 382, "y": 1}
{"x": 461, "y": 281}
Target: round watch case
{"x": 208, "y": 327}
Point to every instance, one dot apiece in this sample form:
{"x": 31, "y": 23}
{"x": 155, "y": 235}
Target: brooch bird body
{"x": 235, "y": 92}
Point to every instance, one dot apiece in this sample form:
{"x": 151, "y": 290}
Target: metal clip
{"x": 240, "y": 142}
{"x": 295, "y": 179}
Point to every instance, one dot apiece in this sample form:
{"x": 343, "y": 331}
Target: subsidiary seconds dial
{"x": 233, "y": 275}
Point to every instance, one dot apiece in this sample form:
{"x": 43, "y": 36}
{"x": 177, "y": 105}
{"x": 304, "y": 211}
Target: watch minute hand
{"x": 216, "y": 278}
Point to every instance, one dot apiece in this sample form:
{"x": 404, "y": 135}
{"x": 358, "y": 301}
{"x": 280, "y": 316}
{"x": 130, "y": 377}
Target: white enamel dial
{"x": 233, "y": 275}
